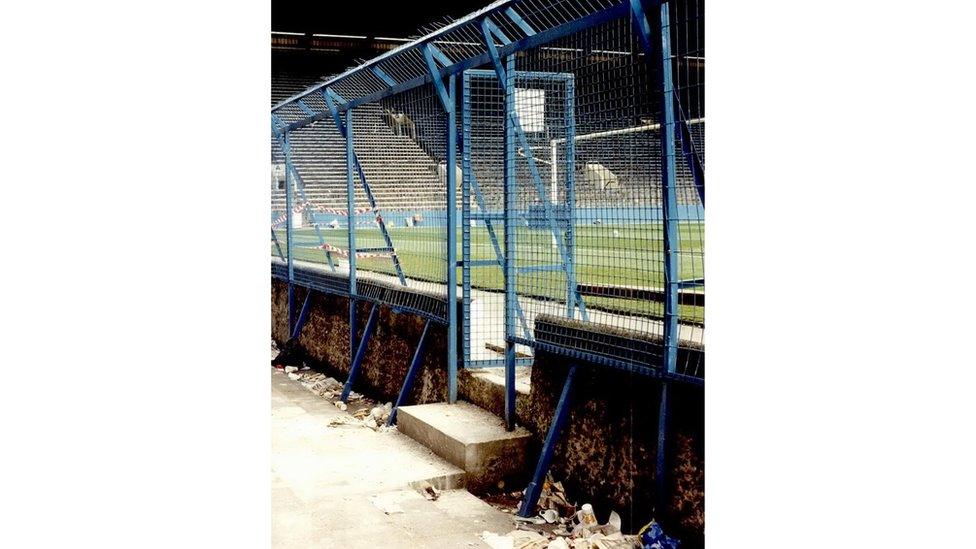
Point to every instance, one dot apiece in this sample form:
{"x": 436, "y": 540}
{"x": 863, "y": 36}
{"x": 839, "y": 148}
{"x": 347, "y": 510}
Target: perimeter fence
{"x": 542, "y": 161}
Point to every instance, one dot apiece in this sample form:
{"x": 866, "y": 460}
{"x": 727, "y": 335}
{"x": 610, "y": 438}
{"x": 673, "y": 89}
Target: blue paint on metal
{"x": 511, "y": 297}
{"x": 357, "y": 360}
{"x": 345, "y": 130}
{"x": 302, "y": 316}
{"x": 573, "y": 297}
{"x": 488, "y": 216}
{"x": 381, "y": 74}
{"x": 286, "y": 149}
{"x": 439, "y": 55}
{"x": 305, "y": 109}
{"x": 529, "y": 42}
{"x": 643, "y": 26}
{"x": 560, "y": 416}
{"x": 610, "y": 362}
{"x": 669, "y": 198}
{"x": 660, "y": 451}
{"x": 438, "y": 84}
{"x": 512, "y": 119}
{"x": 350, "y": 202}
{"x": 486, "y": 31}
{"x": 451, "y": 241}
{"x": 497, "y": 362}
{"x": 418, "y": 356}
{"x": 517, "y": 19}
{"x": 540, "y": 268}
{"x": 470, "y": 186}
{"x": 466, "y": 216}
{"x": 485, "y": 263}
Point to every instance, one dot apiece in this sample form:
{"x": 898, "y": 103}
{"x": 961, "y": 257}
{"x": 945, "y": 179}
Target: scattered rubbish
{"x": 586, "y": 516}
{"x": 293, "y": 376}
{"x": 653, "y": 537}
{"x": 342, "y": 420}
{"x": 558, "y": 543}
{"x": 550, "y": 515}
{"x": 516, "y": 539}
{"x": 290, "y": 369}
{"x": 530, "y": 520}
{"x": 553, "y": 496}
{"x": 427, "y": 490}
{"x": 368, "y": 421}
{"x": 341, "y": 405}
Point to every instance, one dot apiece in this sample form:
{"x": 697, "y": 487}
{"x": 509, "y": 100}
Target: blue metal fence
{"x": 550, "y": 150}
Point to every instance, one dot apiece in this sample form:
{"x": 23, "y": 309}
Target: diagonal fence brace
{"x": 357, "y": 360}
{"x": 418, "y": 357}
{"x": 534, "y": 489}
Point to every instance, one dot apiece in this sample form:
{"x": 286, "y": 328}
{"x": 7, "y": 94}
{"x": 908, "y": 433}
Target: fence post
{"x": 288, "y": 235}
{"x": 450, "y": 108}
{"x": 669, "y": 209}
{"x": 351, "y": 232}
{"x": 466, "y": 218}
{"x": 511, "y": 296}
{"x": 570, "y": 117}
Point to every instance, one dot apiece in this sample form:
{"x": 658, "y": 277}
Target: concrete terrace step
{"x": 469, "y": 437}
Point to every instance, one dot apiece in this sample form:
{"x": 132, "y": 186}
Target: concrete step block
{"x": 469, "y": 437}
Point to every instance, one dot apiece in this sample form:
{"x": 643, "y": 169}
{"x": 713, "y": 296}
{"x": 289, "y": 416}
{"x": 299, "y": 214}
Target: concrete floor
{"x": 329, "y": 483}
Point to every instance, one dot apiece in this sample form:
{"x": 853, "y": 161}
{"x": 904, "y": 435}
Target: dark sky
{"x": 364, "y": 17}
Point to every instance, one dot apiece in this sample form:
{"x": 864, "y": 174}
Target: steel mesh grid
{"x": 619, "y": 247}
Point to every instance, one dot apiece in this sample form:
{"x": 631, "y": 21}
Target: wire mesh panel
{"x": 587, "y": 183}
{"x": 408, "y": 131}
{"x": 577, "y": 138}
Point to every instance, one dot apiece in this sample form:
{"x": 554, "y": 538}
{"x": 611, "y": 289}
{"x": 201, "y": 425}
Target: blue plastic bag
{"x": 652, "y": 537}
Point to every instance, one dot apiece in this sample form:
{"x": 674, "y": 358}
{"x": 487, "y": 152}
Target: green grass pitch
{"x": 623, "y": 255}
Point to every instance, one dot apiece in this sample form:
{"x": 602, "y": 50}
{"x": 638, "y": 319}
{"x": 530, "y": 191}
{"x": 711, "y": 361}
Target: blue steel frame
{"x": 418, "y": 356}
{"x": 507, "y": 77}
{"x": 673, "y": 122}
{"x": 288, "y": 232}
{"x": 448, "y": 97}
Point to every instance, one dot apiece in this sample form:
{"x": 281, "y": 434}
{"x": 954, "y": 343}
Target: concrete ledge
{"x": 468, "y": 437}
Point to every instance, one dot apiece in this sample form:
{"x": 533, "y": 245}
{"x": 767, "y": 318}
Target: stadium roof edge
{"x": 498, "y": 4}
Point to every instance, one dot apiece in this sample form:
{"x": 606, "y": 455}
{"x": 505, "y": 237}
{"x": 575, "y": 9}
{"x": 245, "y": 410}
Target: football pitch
{"x": 626, "y": 255}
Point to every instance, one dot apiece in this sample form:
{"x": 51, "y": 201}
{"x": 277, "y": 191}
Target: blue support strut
{"x": 288, "y": 231}
{"x": 418, "y": 357}
{"x": 351, "y": 236}
{"x": 534, "y": 489}
{"x": 302, "y": 316}
{"x": 509, "y": 185}
{"x": 357, "y": 361}
{"x": 452, "y": 320}
{"x": 671, "y": 250}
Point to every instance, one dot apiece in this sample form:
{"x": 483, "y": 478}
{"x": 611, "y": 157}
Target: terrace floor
{"x": 348, "y": 486}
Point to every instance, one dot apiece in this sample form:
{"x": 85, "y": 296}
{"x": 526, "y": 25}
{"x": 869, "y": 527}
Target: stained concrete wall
{"x": 325, "y": 342}
{"x": 606, "y": 452}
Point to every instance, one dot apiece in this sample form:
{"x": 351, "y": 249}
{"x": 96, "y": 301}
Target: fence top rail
{"x": 520, "y": 24}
